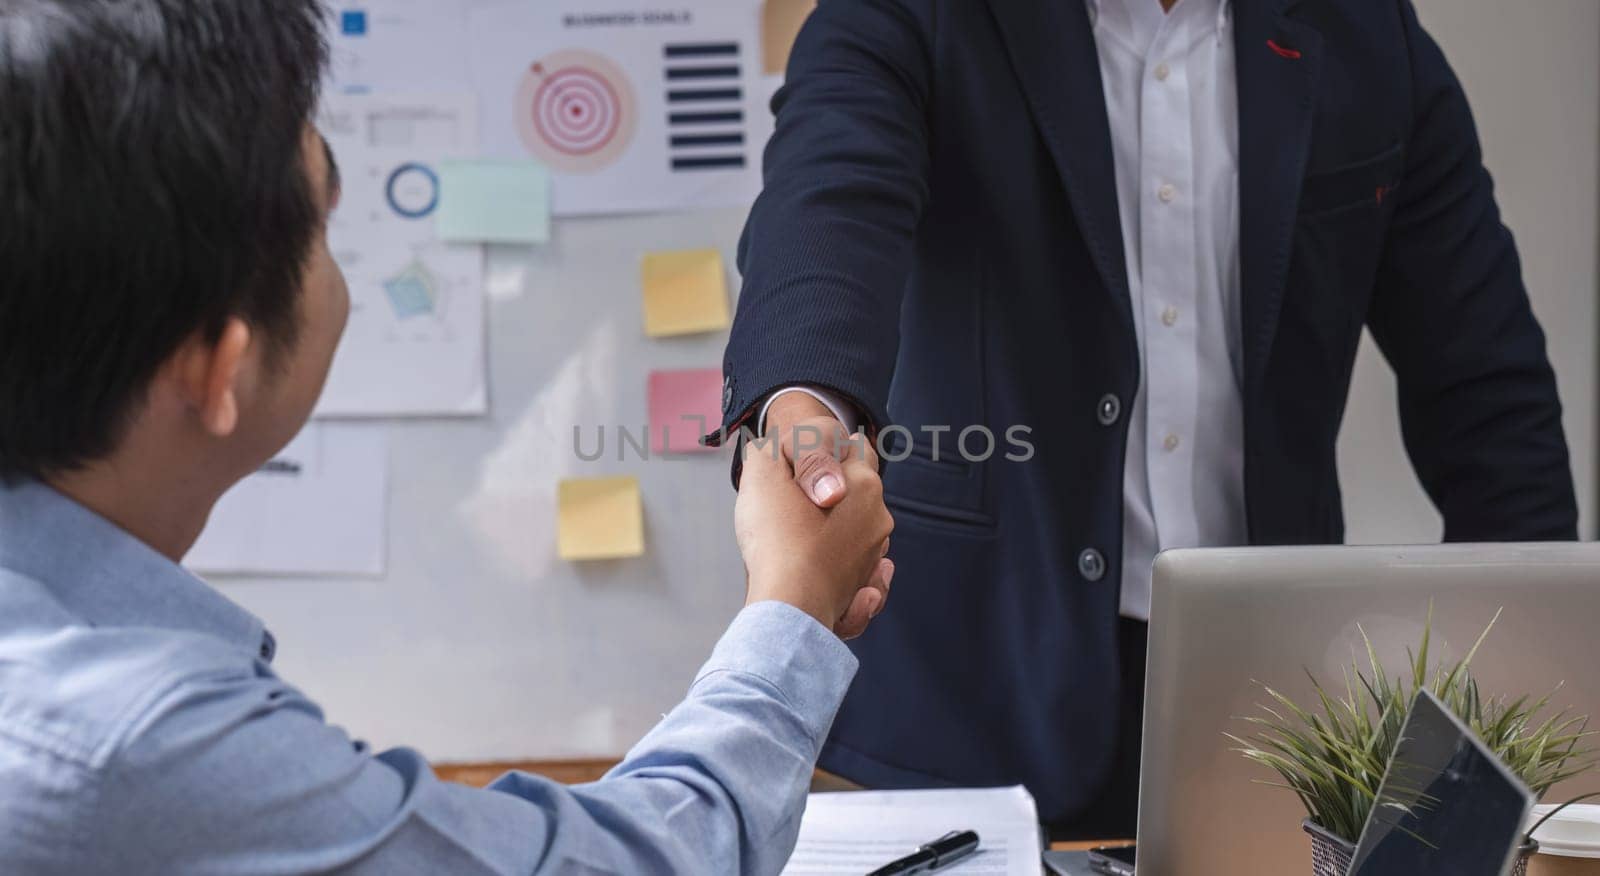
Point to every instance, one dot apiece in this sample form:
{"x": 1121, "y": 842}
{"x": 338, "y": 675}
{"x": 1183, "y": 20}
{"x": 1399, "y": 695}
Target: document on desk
{"x": 856, "y": 832}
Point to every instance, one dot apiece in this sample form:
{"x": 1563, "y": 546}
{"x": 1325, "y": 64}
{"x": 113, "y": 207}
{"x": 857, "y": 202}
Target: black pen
{"x": 942, "y": 852}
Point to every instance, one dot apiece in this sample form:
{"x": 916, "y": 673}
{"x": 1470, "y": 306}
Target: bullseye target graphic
{"x": 575, "y": 111}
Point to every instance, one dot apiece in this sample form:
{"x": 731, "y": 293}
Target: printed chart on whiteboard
{"x": 630, "y": 109}
{"x": 414, "y": 343}
{"x": 317, "y": 508}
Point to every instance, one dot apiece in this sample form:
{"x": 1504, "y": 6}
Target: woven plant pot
{"x": 1330, "y": 855}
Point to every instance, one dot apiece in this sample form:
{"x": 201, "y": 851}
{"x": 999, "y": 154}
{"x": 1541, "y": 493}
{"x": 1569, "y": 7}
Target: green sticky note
{"x": 493, "y": 202}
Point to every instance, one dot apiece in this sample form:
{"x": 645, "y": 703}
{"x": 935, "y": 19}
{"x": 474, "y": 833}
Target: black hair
{"x": 152, "y": 185}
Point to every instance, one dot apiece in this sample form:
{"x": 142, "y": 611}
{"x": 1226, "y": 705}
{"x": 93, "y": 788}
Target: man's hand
{"x": 813, "y": 441}
{"x": 829, "y": 563}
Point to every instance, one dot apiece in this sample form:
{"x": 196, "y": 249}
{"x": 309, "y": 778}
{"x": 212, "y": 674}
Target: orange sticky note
{"x": 780, "y": 24}
{"x": 599, "y": 518}
{"x": 685, "y": 291}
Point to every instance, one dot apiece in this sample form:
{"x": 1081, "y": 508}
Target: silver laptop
{"x": 1222, "y": 618}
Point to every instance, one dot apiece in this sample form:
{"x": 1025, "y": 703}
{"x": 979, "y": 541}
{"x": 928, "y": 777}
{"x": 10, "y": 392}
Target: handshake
{"x": 810, "y": 519}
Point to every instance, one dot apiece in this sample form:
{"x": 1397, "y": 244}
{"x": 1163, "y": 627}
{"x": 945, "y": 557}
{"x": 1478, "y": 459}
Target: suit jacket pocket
{"x": 1368, "y": 181}
{"x": 947, "y": 490}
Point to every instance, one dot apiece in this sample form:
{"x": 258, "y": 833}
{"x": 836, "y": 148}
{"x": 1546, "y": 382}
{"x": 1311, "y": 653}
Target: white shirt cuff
{"x": 835, "y": 405}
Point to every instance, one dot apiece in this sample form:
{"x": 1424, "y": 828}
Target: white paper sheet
{"x": 398, "y": 45}
{"x": 319, "y": 507}
{"x": 631, "y": 107}
{"x": 856, "y": 832}
{"x": 414, "y": 345}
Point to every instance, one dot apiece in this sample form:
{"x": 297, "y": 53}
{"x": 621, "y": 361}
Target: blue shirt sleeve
{"x": 236, "y": 773}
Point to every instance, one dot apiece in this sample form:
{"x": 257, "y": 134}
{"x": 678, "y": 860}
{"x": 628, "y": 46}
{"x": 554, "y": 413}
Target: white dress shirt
{"x": 1172, "y": 102}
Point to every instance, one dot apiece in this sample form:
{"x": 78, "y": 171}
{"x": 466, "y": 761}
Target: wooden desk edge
{"x": 1086, "y": 845}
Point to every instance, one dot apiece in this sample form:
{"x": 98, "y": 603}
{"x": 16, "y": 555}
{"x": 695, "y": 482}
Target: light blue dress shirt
{"x": 143, "y": 731}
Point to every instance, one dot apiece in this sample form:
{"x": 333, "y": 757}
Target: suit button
{"x": 1109, "y": 409}
{"x": 1091, "y": 565}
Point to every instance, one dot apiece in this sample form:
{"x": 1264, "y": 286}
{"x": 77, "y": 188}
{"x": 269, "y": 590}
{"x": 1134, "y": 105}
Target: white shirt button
{"x": 1162, "y": 72}
{"x": 1167, "y": 192}
{"x": 1169, "y": 316}
{"x": 1170, "y": 444}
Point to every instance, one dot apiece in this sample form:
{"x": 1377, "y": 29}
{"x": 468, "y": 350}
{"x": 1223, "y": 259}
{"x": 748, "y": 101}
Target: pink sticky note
{"x": 683, "y": 406}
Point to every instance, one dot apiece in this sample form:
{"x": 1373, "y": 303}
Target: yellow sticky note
{"x": 685, "y": 291}
{"x": 599, "y": 518}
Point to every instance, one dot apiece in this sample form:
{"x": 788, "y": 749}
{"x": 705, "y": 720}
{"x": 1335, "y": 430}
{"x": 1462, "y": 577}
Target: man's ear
{"x": 208, "y": 373}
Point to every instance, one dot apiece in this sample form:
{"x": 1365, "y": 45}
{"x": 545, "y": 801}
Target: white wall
{"x": 479, "y": 644}
{"x": 1533, "y": 77}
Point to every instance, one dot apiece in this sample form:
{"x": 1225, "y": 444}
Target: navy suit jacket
{"x": 938, "y": 240}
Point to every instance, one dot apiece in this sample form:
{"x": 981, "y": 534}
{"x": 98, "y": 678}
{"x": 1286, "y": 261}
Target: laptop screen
{"x": 1446, "y": 806}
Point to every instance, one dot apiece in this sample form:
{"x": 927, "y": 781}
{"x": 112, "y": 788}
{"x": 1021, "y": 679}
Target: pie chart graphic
{"x": 575, "y": 111}
{"x": 412, "y": 190}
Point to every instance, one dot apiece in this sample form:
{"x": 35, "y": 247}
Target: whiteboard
{"x": 478, "y": 643}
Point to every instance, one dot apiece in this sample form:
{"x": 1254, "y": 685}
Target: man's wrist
{"x": 791, "y": 408}
{"x": 796, "y": 590}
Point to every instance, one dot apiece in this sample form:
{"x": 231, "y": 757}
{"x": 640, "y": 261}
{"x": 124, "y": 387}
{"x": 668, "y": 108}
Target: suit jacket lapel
{"x": 1053, "y": 55}
{"x": 1278, "y": 60}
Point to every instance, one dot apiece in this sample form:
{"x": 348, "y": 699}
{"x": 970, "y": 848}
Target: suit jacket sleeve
{"x": 1478, "y": 403}
{"x": 827, "y": 247}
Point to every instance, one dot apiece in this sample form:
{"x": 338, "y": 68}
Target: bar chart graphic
{"x": 705, "y": 106}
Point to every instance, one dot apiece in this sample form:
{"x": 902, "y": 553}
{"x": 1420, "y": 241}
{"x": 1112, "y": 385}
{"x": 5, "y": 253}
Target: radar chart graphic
{"x": 412, "y": 292}
{"x": 575, "y": 111}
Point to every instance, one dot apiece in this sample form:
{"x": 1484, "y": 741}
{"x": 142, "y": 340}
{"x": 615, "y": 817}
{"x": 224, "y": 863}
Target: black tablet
{"x": 1447, "y": 806}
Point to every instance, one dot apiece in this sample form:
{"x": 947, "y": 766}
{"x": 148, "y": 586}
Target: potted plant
{"x": 1333, "y": 754}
